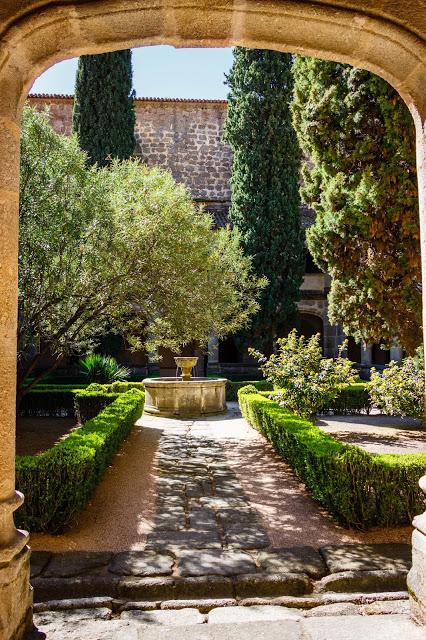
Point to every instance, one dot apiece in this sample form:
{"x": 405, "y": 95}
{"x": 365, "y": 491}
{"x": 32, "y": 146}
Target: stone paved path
{"x": 202, "y": 484}
{"x": 232, "y": 623}
{"x": 200, "y": 531}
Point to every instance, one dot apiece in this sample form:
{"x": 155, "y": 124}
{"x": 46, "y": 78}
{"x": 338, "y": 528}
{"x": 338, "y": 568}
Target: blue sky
{"x": 157, "y": 71}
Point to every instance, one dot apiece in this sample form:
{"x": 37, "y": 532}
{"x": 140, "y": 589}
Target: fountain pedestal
{"x": 176, "y": 398}
{"x": 184, "y": 396}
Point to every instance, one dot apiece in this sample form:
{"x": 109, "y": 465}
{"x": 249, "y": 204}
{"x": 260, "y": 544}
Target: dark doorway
{"x": 310, "y": 325}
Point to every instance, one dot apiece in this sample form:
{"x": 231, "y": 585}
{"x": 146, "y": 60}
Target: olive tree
{"x": 120, "y": 247}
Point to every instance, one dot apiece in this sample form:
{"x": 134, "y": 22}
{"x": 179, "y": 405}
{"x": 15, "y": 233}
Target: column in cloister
{"x": 417, "y": 575}
{"x": 15, "y": 591}
{"x": 366, "y": 359}
{"x": 213, "y": 351}
{"x": 396, "y": 353}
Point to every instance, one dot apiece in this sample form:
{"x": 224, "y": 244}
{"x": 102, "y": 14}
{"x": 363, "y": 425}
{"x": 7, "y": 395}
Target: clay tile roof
{"x": 221, "y": 219}
{"x": 60, "y": 96}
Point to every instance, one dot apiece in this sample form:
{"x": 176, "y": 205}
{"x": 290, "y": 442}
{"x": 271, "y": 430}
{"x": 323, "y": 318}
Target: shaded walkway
{"x": 206, "y": 484}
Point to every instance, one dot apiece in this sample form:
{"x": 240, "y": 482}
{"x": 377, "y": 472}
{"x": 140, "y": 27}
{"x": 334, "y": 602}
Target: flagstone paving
{"x": 232, "y": 623}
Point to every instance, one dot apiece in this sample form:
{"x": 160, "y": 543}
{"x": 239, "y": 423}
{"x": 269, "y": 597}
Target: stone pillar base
{"x": 15, "y": 597}
{"x": 417, "y": 577}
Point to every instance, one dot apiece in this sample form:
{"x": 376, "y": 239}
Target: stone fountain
{"x": 185, "y": 396}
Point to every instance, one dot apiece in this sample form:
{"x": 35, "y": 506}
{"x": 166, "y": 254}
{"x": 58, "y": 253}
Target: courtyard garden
{"x": 298, "y": 482}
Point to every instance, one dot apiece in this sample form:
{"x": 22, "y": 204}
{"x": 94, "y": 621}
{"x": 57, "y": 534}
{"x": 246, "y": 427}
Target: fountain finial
{"x": 186, "y": 364}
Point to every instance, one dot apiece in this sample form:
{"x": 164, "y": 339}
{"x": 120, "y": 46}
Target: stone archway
{"x": 388, "y": 39}
{"x": 311, "y": 325}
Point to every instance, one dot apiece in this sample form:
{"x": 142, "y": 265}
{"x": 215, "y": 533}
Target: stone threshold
{"x": 369, "y": 603}
{"x": 221, "y": 614}
{"x": 220, "y": 574}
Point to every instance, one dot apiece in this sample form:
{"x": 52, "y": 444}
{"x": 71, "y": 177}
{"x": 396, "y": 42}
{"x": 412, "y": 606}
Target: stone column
{"x": 417, "y": 576}
{"x": 213, "y": 365}
{"x": 366, "y": 355}
{"x": 15, "y": 591}
{"x": 396, "y": 353}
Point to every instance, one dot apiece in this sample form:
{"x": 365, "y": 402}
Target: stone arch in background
{"x": 386, "y": 38}
{"x": 311, "y": 324}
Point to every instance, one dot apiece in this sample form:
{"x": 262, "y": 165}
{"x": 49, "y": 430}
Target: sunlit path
{"x": 205, "y": 483}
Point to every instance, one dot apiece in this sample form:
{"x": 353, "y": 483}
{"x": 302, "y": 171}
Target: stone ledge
{"x": 367, "y": 557}
{"x": 272, "y": 585}
{"x": 349, "y": 581}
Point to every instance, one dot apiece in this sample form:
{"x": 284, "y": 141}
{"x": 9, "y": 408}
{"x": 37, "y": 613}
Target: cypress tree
{"x": 361, "y": 180}
{"x": 104, "y": 117}
{"x": 265, "y": 204}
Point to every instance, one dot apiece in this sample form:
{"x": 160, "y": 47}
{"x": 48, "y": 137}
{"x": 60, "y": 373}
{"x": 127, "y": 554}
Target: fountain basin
{"x": 177, "y": 398}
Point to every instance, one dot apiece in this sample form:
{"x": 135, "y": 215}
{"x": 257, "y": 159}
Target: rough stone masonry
{"x": 184, "y": 136}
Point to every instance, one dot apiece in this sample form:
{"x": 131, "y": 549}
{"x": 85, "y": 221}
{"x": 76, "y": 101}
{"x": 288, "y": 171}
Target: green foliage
{"x": 360, "y": 489}
{"x": 121, "y": 249}
{"x": 122, "y": 387}
{"x": 400, "y": 389}
{"x": 304, "y": 381}
{"x": 265, "y": 183}
{"x": 59, "y": 482}
{"x": 232, "y": 388}
{"x": 89, "y": 402}
{"x": 104, "y": 116}
{"x": 103, "y": 369}
{"x": 351, "y": 399}
{"x": 360, "y": 178}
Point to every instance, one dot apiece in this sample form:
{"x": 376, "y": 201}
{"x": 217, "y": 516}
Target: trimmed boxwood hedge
{"x": 360, "y": 489}
{"x": 58, "y": 483}
{"x": 352, "y": 399}
{"x": 89, "y": 403}
{"x": 232, "y": 388}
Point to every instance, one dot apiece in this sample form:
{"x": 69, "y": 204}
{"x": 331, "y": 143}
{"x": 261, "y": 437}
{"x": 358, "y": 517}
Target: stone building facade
{"x": 185, "y": 136}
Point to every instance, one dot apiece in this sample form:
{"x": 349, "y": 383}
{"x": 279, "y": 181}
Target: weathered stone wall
{"x": 185, "y": 136}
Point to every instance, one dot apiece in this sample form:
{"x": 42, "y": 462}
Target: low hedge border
{"x": 360, "y": 489}
{"x": 352, "y": 399}
{"x": 232, "y": 388}
{"x": 87, "y": 404}
{"x": 69, "y": 400}
{"x": 58, "y": 483}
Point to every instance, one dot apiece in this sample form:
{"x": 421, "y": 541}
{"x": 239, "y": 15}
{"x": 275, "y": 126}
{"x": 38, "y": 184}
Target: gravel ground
{"x": 34, "y": 435}
{"x": 376, "y": 433}
{"x": 122, "y": 512}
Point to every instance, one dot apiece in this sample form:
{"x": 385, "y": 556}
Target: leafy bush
{"x": 360, "y": 489}
{"x": 59, "y": 482}
{"x": 184, "y": 278}
{"x": 103, "y": 369}
{"x": 304, "y": 381}
{"x": 400, "y": 389}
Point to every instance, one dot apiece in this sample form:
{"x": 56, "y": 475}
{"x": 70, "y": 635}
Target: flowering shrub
{"x": 400, "y": 389}
{"x": 304, "y": 381}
